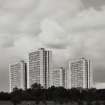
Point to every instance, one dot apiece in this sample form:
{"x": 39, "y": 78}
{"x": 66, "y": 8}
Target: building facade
{"x": 40, "y": 67}
{"x": 18, "y": 75}
{"x": 59, "y": 77}
{"x": 79, "y": 74}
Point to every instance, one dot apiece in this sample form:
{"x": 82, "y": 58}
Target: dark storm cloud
{"x": 99, "y": 74}
{"x": 93, "y": 3}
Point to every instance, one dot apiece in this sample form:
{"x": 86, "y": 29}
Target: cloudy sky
{"x": 71, "y": 28}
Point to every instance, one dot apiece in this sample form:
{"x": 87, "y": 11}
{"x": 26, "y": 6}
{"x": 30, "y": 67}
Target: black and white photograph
{"x": 52, "y": 52}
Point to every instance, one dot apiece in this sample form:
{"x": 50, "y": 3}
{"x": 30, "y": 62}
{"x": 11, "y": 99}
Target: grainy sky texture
{"x": 72, "y": 28}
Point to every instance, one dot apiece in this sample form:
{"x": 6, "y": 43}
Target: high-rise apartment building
{"x": 79, "y": 74}
{"x": 18, "y": 75}
{"x": 40, "y": 67}
{"x": 59, "y": 77}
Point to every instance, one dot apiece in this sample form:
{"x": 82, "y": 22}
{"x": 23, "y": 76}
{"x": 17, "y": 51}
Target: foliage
{"x": 56, "y": 94}
{"x": 16, "y": 96}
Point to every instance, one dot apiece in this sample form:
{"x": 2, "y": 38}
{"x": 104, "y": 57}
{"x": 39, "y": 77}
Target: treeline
{"x": 56, "y": 94}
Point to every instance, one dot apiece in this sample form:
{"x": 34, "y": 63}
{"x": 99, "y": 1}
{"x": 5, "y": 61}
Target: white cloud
{"x": 24, "y": 17}
{"x": 20, "y": 25}
{"x": 60, "y": 24}
{"x": 82, "y": 35}
{"x": 53, "y": 35}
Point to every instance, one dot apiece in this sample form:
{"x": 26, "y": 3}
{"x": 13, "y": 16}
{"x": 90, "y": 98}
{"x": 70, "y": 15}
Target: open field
{"x": 30, "y": 103}
{"x": 5, "y": 103}
{"x": 24, "y": 103}
{"x": 49, "y": 103}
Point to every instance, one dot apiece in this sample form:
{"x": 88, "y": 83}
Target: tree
{"x": 60, "y": 94}
{"x": 36, "y": 86}
{"x": 44, "y": 96}
{"x": 5, "y": 96}
{"x": 16, "y": 96}
{"x": 15, "y": 100}
{"x": 36, "y": 92}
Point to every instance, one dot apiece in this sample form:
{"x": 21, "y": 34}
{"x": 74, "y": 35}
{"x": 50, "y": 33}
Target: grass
{"x": 5, "y": 103}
